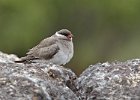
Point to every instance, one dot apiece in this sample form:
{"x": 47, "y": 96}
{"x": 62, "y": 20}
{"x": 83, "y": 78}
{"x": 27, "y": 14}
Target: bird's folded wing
{"x": 46, "y": 49}
{"x": 48, "y": 52}
{"x": 41, "y": 53}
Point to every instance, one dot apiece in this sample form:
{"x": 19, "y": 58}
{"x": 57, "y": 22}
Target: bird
{"x": 57, "y": 49}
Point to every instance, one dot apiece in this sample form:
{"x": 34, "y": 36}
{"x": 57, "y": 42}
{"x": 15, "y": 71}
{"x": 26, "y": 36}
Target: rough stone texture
{"x": 40, "y": 81}
{"x": 110, "y": 81}
{"x": 34, "y": 81}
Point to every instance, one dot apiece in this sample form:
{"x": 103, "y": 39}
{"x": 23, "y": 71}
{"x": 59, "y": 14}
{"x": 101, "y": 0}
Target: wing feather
{"x": 46, "y": 49}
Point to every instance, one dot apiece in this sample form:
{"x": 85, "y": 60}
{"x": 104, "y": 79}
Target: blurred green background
{"x": 104, "y": 30}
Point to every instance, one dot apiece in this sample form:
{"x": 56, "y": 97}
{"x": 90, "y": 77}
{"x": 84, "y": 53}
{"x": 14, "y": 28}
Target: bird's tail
{"x": 22, "y": 60}
{"x": 19, "y": 61}
{"x": 26, "y": 59}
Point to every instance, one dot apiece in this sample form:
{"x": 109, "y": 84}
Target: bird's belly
{"x": 60, "y": 58}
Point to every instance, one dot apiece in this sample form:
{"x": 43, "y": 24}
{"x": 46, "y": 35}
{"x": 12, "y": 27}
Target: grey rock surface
{"x": 40, "y": 81}
{"x": 34, "y": 81}
{"x": 110, "y": 81}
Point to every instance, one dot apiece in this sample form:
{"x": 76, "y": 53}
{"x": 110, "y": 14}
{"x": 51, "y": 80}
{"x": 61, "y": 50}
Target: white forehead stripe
{"x": 57, "y": 34}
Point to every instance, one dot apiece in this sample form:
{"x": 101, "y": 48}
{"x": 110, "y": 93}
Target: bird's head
{"x": 64, "y": 34}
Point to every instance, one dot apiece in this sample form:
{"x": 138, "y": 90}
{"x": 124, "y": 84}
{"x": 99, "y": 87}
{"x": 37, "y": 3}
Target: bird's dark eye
{"x": 65, "y": 34}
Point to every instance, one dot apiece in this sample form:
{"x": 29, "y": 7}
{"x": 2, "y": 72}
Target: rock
{"x": 40, "y": 81}
{"x": 5, "y": 58}
{"x": 110, "y": 81}
{"x": 34, "y": 81}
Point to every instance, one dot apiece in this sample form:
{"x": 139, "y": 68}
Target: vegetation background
{"x": 104, "y": 30}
